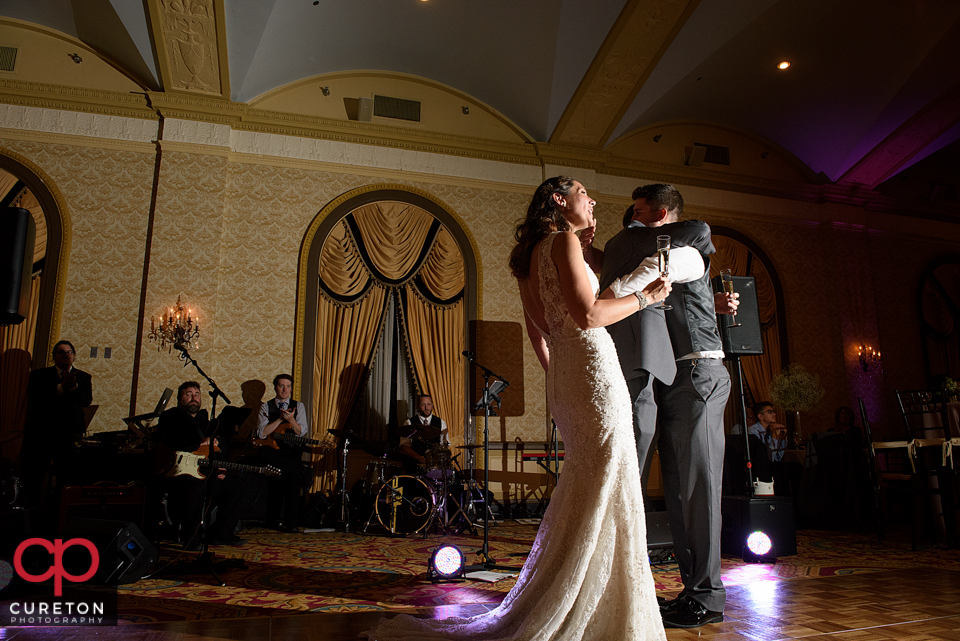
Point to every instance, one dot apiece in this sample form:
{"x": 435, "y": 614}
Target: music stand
{"x": 489, "y": 396}
{"x": 143, "y": 430}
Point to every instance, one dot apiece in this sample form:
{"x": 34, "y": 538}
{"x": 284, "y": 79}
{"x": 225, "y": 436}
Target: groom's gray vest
{"x": 643, "y": 340}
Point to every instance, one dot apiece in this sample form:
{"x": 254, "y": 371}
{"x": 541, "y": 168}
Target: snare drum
{"x": 379, "y": 471}
{"x": 404, "y": 504}
{"x": 439, "y": 464}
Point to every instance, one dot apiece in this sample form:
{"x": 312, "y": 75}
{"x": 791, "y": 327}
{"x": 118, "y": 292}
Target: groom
{"x": 676, "y": 354}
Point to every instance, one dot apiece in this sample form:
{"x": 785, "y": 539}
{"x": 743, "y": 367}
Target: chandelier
{"x": 176, "y": 329}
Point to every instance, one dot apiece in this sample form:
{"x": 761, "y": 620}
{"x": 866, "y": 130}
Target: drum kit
{"x": 441, "y": 494}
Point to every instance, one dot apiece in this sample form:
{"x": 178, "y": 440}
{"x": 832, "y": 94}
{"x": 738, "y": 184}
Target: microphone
{"x": 468, "y": 354}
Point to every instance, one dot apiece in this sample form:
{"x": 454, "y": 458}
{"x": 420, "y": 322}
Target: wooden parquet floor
{"x": 906, "y": 596}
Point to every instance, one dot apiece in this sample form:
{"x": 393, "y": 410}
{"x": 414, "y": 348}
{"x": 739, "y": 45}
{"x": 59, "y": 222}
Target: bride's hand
{"x": 657, "y": 290}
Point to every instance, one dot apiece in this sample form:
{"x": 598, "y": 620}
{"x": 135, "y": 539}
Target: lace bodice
{"x": 560, "y": 324}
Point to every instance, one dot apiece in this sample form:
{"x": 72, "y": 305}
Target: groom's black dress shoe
{"x": 687, "y": 613}
{"x": 666, "y": 603}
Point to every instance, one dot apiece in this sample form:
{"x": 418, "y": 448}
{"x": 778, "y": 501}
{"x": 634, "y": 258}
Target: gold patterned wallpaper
{"x": 227, "y": 238}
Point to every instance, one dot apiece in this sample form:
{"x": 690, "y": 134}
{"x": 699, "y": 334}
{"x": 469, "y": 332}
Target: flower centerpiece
{"x": 951, "y": 390}
{"x": 796, "y": 390}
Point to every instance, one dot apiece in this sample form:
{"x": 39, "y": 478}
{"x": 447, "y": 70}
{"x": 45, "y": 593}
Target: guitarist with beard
{"x": 283, "y": 416}
{"x": 186, "y": 428}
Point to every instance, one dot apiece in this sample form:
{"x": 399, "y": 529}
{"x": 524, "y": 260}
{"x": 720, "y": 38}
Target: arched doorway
{"x": 388, "y": 285}
{"x": 938, "y": 300}
{"x": 27, "y": 345}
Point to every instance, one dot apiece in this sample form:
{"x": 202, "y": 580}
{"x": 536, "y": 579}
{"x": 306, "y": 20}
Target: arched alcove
{"x": 938, "y": 303}
{"x": 360, "y": 307}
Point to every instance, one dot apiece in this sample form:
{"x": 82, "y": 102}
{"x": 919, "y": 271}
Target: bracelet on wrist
{"x": 642, "y": 298}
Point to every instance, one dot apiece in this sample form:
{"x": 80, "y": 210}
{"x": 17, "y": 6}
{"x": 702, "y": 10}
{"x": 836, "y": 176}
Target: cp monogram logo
{"x": 56, "y": 570}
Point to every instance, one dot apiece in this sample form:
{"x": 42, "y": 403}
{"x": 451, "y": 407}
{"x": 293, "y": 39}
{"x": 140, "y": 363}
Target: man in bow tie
{"x": 56, "y": 397}
{"x": 283, "y": 415}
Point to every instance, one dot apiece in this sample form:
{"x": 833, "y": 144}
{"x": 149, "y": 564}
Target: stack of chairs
{"x": 925, "y": 422}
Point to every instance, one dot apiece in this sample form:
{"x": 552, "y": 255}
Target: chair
{"x": 924, "y": 416}
{"x": 893, "y": 470}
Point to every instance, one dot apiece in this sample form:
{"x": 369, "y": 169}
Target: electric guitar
{"x": 283, "y": 435}
{"x": 192, "y": 462}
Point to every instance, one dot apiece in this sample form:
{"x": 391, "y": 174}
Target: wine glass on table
{"x": 663, "y": 259}
{"x": 727, "y": 278}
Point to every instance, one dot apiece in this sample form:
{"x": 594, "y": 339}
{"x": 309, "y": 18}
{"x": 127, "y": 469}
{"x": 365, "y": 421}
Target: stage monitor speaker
{"x": 125, "y": 553}
{"x": 743, "y": 515}
{"x": 498, "y": 346}
{"x": 18, "y": 233}
{"x": 746, "y": 340}
{"x": 658, "y": 531}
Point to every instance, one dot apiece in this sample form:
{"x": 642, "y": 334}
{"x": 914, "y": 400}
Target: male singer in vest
{"x": 56, "y": 397}
{"x": 284, "y": 415}
{"x": 689, "y": 406}
{"x": 413, "y": 443}
{"x": 187, "y": 428}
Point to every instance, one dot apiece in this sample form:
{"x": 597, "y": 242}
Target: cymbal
{"x": 469, "y": 447}
{"x": 346, "y": 434}
{"x": 422, "y": 432}
{"x": 380, "y": 449}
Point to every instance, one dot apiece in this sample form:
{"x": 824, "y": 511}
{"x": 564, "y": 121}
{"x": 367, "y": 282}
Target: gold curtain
{"x": 375, "y": 249}
{"x": 346, "y": 336}
{"x": 435, "y": 341}
{"x": 16, "y": 347}
{"x": 759, "y": 370}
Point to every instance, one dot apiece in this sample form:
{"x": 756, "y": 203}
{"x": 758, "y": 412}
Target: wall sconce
{"x": 869, "y": 359}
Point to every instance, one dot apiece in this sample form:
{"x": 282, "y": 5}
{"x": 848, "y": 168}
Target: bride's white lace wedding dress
{"x": 587, "y": 577}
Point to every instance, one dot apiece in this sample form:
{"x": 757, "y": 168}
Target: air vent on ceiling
{"x": 715, "y": 153}
{"x": 399, "y": 108}
{"x": 8, "y": 58}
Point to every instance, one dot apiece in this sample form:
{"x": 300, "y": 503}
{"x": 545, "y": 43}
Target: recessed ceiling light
{"x": 783, "y": 64}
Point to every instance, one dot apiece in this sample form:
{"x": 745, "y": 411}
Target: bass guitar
{"x": 285, "y": 434}
{"x": 198, "y": 465}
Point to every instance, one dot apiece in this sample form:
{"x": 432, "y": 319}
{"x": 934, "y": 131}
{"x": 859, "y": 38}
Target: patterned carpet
{"x": 297, "y": 573}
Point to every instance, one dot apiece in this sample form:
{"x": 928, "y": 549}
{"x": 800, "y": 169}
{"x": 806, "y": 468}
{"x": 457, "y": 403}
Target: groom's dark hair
{"x": 660, "y": 196}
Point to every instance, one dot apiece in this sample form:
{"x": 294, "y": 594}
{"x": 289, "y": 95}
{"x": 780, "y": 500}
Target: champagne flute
{"x": 727, "y": 278}
{"x": 663, "y": 258}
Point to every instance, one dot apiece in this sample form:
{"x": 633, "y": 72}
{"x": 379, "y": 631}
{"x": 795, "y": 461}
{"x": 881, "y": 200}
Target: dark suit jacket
{"x": 56, "y": 416}
{"x": 642, "y": 340}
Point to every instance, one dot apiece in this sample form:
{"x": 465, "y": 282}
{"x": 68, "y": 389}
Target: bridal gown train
{"x": 587, "y": 577}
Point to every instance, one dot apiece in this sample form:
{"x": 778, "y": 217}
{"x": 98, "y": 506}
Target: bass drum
{"x": 404, "y": 504}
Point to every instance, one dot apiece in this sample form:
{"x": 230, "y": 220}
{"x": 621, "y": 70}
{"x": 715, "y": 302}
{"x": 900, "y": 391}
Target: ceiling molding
{"x": 909, "y": 139}
{"x": 633, "y": 47}
{"x": 101, "y": 101}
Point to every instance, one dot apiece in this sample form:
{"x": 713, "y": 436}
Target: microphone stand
{"x": 486, "y": 400}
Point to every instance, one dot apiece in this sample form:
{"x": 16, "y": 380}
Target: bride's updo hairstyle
{"x": 543, "y": 217}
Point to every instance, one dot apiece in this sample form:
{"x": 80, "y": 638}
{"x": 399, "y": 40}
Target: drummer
{"x": 422, "y": 431}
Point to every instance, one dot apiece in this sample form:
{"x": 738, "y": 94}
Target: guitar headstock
{"x": 270, "y": 470}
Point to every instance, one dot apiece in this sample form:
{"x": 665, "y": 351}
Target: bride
{"x": 587, "y": 577}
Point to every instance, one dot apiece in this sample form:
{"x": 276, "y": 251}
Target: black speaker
{"x": 743, "y": 515}
{"x": 18, "y": 232}
{"x": 658, "y": 531}
{"x": 746, "y": 340}
{"x": 125, "y": 553}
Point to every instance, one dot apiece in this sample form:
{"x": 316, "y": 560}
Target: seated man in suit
{"x": 283, "y": 415}
{"x": 56, "y": 397}
{"x": 421, "y": 432}
{"x": 187, "y": 428}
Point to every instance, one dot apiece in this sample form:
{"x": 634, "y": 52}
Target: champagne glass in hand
{"x": 727, "y": 278}
{"x": 663, "y": 258}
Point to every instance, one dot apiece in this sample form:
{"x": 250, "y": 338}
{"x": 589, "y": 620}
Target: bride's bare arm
{"x": 585, "y": 309}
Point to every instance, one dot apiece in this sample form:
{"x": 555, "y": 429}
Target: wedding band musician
{"x": 420, "y": 432}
